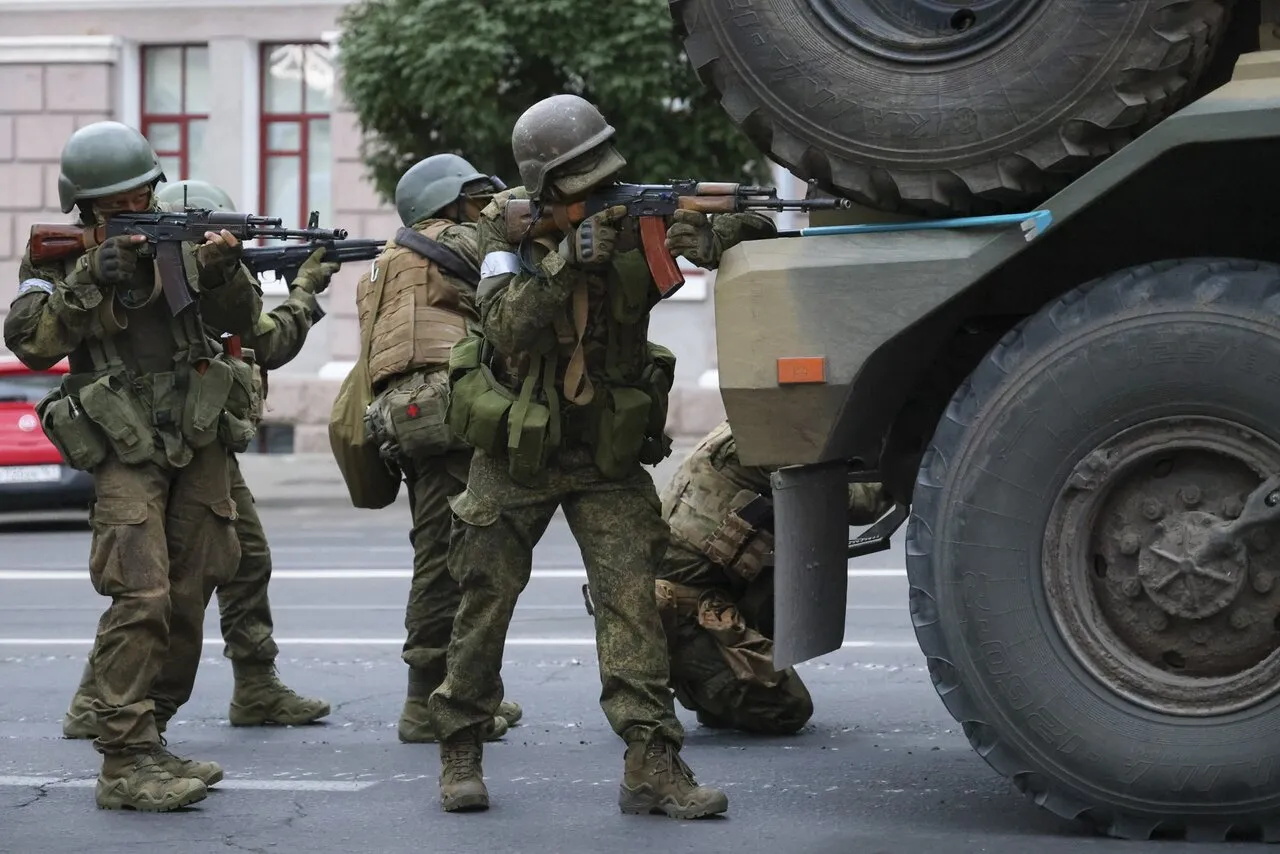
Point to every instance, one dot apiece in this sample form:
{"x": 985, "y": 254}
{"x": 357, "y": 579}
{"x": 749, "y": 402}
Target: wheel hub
{"x": 1146, "y": 579}
{"x": 923, "y": 31}
{"x": 1180, "y": 583}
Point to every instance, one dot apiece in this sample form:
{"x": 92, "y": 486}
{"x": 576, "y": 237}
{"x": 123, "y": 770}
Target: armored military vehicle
{"x": 1085, "y": 425}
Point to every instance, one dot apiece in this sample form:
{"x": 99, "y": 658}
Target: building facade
{"x": 244, "y": 94}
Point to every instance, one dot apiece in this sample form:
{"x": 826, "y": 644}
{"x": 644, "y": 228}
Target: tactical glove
{"x": 592, "y": 243}
{"x": 315, "y": 273}
{"x": 692, "y": 236}
{"x": 221, "y": 253}
{"x": 115, "y": 261}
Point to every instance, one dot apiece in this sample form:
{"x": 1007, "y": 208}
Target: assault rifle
{"x": 285, "y": 261}
{"x": 165, "y": 232}
{"x": 651, "y": 205}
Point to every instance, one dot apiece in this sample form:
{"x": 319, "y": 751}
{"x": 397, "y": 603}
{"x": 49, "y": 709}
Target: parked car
{"x": 33, "y": 475}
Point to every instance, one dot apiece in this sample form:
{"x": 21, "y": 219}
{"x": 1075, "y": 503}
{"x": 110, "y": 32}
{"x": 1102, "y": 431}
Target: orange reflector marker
{"x": 802, "y": 369}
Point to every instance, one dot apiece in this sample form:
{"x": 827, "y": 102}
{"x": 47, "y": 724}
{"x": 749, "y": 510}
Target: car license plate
{"x": 30, "y": 474}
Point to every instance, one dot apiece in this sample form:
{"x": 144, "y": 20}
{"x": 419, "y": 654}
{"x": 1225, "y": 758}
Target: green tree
{"x": 429, "y": 76}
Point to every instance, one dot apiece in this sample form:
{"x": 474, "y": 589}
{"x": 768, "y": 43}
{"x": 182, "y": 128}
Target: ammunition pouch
{"x": 630, "y": 423}
{"x": 748, "y": 653}
{"x": 409, "y": 421}
{"x": 739, "y": 543}
{"x": 115, "y": 406}
{"x": 69, "y": 428}
{"x": 658, "y": 377}
{"x": 486, "y": 415}
{"x": 206, "y": 399}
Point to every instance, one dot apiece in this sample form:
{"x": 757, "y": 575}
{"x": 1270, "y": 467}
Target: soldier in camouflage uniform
{"x": 715, "y": 590}
{"x": 153, "y": 407}
{"x": 259, "y": 697}
{"x": 564, "y": 400}
{"x": 416, "y": 304}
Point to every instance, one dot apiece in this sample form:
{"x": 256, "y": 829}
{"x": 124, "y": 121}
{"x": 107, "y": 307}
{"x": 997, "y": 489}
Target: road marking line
{"x": 228, "y": 783}
{"x": 362, "y": 574}
{"x": 519, "y": 641}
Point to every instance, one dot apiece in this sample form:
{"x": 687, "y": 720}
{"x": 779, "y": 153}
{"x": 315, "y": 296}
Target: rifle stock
{"x": 52, "y": 241}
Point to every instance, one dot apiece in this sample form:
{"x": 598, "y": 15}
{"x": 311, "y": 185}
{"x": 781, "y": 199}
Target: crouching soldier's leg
{"x": 722, "y": 668}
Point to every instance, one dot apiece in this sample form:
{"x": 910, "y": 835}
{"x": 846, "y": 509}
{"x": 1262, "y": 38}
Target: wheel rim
{"x": 923, "y": 31}
{"x": 1173, "y": 635}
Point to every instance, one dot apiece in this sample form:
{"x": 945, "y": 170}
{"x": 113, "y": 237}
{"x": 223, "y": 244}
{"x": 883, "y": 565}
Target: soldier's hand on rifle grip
{"x": 315, "y": 273}
{"x": 116, "y": 260}
{"x": 219, "y": 250}
{"x": 691, "y": 235}
{"x": 592, "y": 242}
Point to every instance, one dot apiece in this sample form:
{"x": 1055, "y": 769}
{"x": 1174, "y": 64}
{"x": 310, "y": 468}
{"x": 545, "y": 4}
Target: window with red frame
{"x": 296, "y": 98}
{"x": 175, "y": 107}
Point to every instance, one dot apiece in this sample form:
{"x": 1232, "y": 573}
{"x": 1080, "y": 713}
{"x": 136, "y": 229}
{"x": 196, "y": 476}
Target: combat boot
{"x": 209, "y": 773}
{"x": 81, "y": 721}
{"x": 415, "y": 723}
{"x": 139, "y": 782}
{"x": 657, "y": 780}
{"x": 461, "y": 775}
{"x": 261, "y": 698}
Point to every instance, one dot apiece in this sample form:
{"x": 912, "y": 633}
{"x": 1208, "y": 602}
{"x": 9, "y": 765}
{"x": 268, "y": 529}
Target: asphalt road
{"x": 881, "y": 767}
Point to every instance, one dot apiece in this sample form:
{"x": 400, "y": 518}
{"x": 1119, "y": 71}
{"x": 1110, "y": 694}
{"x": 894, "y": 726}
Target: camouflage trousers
{"x": 243, "y": 607}
{"x": 621, "y": 534}
{"x": 163, "y": 538}
{"x": 242, "y": 601}
{"x": 433, "y": 594}
{"x": 705, "y": 683}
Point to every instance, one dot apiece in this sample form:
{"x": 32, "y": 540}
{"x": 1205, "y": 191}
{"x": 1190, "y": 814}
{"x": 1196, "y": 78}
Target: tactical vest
{"x": 705, "y": 504}
{"x": 591, "y": 378}
{"x": 421, "y": 315}
{"x": 146, "y": 385}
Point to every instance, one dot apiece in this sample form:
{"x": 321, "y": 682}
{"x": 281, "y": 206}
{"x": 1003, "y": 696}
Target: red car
{"x": 33, "y": 475}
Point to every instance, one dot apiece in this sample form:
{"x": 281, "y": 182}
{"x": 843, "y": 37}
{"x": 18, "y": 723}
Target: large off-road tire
{"x": 1100, "y": 438}
{"x": 942, "y": 107}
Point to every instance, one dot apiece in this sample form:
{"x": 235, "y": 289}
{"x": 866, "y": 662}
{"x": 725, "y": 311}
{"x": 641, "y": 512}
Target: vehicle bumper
{"x": 73, "y": 490}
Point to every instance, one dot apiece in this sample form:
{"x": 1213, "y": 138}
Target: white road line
{"x": 36, "y": 574}
{"x": 518, "y": 641}
{"x": 228, "y": 783}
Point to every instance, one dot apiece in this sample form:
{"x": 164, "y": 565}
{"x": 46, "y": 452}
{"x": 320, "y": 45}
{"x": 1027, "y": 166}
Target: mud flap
{"x": 811, "y": 541}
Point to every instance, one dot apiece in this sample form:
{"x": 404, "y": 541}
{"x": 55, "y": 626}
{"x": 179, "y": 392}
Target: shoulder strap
{"x": 444, "y": 257}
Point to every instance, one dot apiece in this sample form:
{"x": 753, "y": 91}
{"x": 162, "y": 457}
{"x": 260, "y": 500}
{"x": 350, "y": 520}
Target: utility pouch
{"x": 114, "y": 406}
{"x": 620, "y": 431}
{"x": 81, "y": 443}
{"x": 206, "y": 399}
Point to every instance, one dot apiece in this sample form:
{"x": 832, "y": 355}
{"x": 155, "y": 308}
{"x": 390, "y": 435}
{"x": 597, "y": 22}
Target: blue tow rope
{"x": 1033, "y": 225}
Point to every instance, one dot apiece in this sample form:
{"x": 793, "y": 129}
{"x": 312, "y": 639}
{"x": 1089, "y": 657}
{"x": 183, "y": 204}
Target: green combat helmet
{"x": 103, "y": 159}
{"x": 195, "y": 194}
{"x": 556, "y": 130}
{"x": 433, "y": 183}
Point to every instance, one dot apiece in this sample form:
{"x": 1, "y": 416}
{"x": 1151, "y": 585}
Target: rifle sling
{"x": 444, "y": 257}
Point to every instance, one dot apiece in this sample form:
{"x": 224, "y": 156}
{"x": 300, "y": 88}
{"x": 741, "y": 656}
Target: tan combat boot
{"x": 209, "y": 773}
{"x": 81, "y": 721}
{"x": 261, "y": 698}
{"x": 657, "y": 780}
{"x": 461, "y": 775}
{"x": 139, "y": 782}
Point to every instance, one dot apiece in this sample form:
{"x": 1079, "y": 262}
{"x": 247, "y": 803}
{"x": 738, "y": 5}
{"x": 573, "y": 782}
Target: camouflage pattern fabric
{"x": 162, "y": 539}
{"x": 243, "y": 606}
{"x": 622, "y": 537}
{"x": 433, "y": 594}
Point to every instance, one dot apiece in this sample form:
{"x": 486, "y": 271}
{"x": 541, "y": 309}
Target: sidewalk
{"x": 294, "y": 480}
